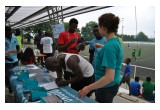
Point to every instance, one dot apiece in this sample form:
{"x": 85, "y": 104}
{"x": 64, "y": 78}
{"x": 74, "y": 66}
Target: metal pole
{"x": 135, "y": 69}
{"x": 136, "y": 25}
{"x": 122, "y": 28}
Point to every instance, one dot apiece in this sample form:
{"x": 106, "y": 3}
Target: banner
{"x": 58, "y": 28}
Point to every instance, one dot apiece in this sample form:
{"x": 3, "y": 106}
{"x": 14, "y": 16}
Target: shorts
{"x": 126, "y": 79}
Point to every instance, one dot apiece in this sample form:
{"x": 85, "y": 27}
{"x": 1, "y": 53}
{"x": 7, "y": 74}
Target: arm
{"x": 62, "y": 47}
{"x": 106, "y": 79}
{"x": 10, "y": 51}
{"x": 98, "y": 45}
{"x": 80, "y": 47}
{"x": 61, "y": 42}
{"x": 73, "y": 65}
{"x": 59, "y": 78}
{"x": 109, "y": 62}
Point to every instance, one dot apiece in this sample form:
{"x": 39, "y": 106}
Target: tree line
{"x": 85, "y": 32}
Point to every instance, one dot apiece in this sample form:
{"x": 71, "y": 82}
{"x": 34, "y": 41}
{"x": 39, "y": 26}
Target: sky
{"x": 145, "y": 19}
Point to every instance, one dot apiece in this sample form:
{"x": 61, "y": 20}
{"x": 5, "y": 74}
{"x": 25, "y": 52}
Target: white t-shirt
{"x": 47, "y": 44}
{"x": 86, "y": 67}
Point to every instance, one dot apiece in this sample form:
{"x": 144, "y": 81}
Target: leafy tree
{"x": 66, "y": 25}
{"x": 28, "y": 37}
{"x": 86, "y": 32}
{"x": 141, "y": 37}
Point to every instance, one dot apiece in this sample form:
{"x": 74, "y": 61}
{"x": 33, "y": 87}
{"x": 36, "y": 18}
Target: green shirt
{"x": 148, "y": 88}
{"x": 110, "y": 57}
{"x": 133, "y": 53}
{"x": 19, "y": 38}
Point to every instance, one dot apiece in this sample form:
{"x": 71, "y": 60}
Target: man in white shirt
{"x": 47, "y": 45}
{"x": 81, "y": 70}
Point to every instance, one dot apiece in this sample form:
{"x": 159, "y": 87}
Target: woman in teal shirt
{"x": 108, "y": 62}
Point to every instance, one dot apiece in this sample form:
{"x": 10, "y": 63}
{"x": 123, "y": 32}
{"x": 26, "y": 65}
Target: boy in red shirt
{"x": 68, "y": 40}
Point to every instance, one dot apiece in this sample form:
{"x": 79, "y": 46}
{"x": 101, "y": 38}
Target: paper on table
{"x": 32, "y": 75}
{"x": 31, "y": 66}
{"x": 49, "y": 86}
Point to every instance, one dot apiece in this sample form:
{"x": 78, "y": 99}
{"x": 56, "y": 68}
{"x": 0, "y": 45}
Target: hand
{"x": 97, "y": 45}
{"x": 62, "y": 83}
{"x": 73, "y": 40}
{"x": 58, "y": 79}
{"x": 7, "y": 53}
{"x": 83, "y": 92}
{"x": 81, "y": 46}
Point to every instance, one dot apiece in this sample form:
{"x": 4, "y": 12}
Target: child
{"x": 28, "y": 56}
{"x": 127, "y": 73}
{"x": 148, "y": 89}
{"x": 135, "y": 87}
{"x": 134, "y": 55}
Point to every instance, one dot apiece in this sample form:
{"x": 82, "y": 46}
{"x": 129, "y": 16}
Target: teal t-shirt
{"x": 110, "y": 56}
{"x": 9, "y": 45}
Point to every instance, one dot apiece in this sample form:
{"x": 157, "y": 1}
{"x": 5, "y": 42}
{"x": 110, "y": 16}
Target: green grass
{"x": 147, "y": 55}
{"x": 147, "y": 58}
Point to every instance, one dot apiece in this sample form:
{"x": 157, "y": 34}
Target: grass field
{"x": 147, "y": 59}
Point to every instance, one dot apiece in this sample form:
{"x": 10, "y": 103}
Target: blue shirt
{"x": 127, "y": 70}
{"x": 9, "y": 45}
{"x": 110, "y": 56}
{"x": 135, "y": 88}
{"x": 96, "y": 50}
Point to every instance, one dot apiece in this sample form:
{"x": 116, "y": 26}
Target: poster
{"x": 58, "y": 28}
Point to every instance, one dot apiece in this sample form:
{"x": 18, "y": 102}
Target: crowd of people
{"x": 101, "y": 74}
{"x": 148, "y": 87}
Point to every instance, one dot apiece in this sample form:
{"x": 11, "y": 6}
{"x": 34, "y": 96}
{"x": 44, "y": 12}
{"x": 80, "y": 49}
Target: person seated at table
{"x": 28, "y": 56}
{"x": 82, "y": 71}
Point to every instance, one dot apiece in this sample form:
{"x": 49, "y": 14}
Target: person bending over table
{"x": 82, "y": 71}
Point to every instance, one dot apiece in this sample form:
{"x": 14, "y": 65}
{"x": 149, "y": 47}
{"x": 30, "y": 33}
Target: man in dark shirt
{"x": 37, "y": 40}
